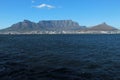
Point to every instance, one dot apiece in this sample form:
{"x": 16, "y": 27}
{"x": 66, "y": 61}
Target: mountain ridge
{"x": 54, "y": 26}
{"x": 102, "y": 27}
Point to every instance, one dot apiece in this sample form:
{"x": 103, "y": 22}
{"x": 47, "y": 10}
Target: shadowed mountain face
{"x": 56, "y": 26}
{"x": 26, "y": 25}
{"x": 59, "y": 25}
{"x": 102, "y": 27}
{"x": 51, "y": 25}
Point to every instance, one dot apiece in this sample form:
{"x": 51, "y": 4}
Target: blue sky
{"x": 86, "y": 12}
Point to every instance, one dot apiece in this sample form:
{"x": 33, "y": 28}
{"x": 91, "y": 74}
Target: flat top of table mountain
{"x": 53, "y": 25}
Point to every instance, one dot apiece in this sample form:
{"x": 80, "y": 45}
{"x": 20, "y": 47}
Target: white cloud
{"x": 45, "y": 6}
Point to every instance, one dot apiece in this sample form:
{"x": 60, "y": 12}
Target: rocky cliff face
{"x": 50, "y": 25}
{"x": 59, "y": 25}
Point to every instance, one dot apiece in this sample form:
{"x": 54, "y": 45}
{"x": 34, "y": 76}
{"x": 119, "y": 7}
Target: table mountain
{"x": 50, "y": 25}
{"x": 59, "y": 25}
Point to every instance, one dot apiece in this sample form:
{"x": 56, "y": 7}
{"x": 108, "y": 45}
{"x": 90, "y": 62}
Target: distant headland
{"x": 57, "y": 27}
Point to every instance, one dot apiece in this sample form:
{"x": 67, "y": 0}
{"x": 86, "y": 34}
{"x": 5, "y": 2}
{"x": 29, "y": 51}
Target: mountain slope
{"x": 102, "y": 27}
{"x": 59, "y": 25}
{"x": 26, "y": 25}
{"x": 50, "y": 25}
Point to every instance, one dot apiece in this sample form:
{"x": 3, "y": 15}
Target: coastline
{"x": 61, "y": 32}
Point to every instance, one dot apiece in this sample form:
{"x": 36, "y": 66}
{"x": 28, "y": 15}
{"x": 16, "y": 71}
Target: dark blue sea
{"x": 60, "y": 57}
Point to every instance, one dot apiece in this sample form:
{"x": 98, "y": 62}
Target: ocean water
{"x": 60, "y": 57}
